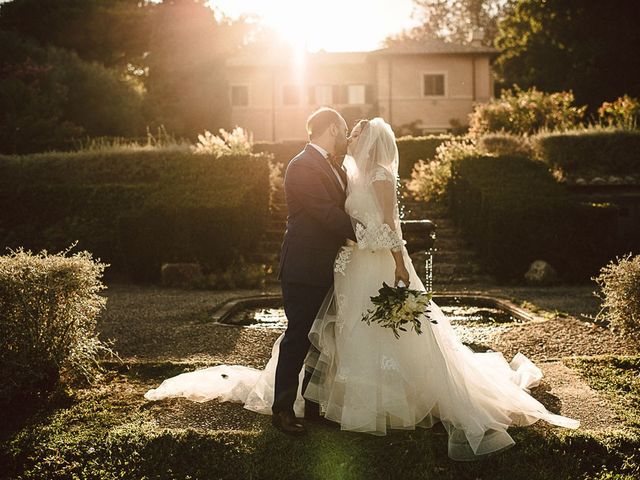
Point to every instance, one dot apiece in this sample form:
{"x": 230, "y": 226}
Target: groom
{"x": 317, "y": 226}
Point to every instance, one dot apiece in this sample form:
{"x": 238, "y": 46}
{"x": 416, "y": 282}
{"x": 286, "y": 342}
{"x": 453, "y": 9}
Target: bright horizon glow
{"x": 331, "y": 25}
{"x": 335, "y": 26}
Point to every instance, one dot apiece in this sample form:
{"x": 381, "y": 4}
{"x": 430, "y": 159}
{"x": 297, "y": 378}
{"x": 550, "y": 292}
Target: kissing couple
{"x": 343, "y": 240}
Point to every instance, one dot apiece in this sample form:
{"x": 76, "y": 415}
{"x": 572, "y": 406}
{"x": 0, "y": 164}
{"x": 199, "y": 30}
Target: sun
{"x": 331, "y": 25}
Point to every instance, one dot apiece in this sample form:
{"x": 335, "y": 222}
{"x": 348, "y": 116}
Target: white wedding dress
{"x": 363, "y": 377}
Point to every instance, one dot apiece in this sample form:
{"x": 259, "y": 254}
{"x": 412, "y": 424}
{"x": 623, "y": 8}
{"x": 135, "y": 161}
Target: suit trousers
{"x": 301, "y": 305}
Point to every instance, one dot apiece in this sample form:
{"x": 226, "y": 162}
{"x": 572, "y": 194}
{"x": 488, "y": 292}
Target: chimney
{"x": 476, "y": 36}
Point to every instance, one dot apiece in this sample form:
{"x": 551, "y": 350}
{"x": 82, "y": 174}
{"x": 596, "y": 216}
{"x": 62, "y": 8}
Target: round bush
{"x": 620, "y": 284}
{"x": 48, "y": 310}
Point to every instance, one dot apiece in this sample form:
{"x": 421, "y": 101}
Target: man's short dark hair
{"x": 319, "y": 121}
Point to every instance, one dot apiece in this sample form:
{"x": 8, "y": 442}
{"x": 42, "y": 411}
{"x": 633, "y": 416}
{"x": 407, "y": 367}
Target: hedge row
{"x": 513, "y": 212}
{"x": 136, "y": 210}
{"x": 410, "y": 149}
{"x": 593, "y": 151}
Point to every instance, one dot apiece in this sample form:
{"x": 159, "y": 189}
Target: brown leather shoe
{"x": 288, "y": 423}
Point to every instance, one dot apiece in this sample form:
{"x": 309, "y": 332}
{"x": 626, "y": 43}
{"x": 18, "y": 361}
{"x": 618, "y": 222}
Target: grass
{"x": 109, "y": 431}
{"x": 618, "y": 379}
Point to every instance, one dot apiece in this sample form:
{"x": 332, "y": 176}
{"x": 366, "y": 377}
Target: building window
{"x": 340, "y": 94}
{"x": 356, "y": 94}
{"x": 291, "y": 95}
{"x": 239, "y": 96}
{"x": 323, "y": 95}
{"x": 433, "y": 85}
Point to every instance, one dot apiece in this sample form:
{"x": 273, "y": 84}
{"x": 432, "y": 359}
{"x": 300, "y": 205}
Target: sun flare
{"x": 331, "y": 25}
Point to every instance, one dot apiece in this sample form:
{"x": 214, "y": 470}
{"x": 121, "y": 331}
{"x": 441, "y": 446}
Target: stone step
{"x": 272, "y": 232}
{"x": 423, "y": 208}
{"x": 450, "y": 244}
{"x": 270, "y": 245}
{"x": 266, "y": 258}
{"x": 447, "y": 233}
{"x": 455, "y": 268}
{"x": 463, "y": 279}
{"x": 437, "y": 219}
{"x": 455, "y": 256}
{"x": 278, "y": 213}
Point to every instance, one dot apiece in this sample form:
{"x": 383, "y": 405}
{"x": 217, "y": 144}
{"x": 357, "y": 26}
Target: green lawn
{"x": 109, "y": 431}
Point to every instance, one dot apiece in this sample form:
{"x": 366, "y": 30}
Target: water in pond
{"x": 475, "y": 326}
{"x": 468, "y": 315}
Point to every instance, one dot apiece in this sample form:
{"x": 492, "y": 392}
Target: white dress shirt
{"x": 325, "y": 154}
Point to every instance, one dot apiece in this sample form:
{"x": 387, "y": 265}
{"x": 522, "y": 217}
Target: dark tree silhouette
{"x": 587, "y": 46}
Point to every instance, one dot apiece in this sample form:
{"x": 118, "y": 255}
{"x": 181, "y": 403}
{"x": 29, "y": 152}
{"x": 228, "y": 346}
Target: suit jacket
{"x": 317, "y": 225}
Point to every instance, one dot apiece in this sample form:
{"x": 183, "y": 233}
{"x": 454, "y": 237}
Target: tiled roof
{"x": 432, "y": 46}
{"x": 257, "y": 58}
{"x": 284, "y": 55}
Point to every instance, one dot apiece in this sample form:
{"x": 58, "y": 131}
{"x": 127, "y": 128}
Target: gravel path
{"x": 562, "y": 337}
{"x": 154, "y": 324}
{"x": 562, "y": 391}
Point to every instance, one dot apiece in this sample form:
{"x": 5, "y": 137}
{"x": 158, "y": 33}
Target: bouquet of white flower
{"x": 395, "y": 307}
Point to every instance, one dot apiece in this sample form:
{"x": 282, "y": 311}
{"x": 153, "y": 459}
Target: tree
{"x": 585, "y": 46}
{"x": 114, "y": 33}
{"x": 49, "y": 97}
{"x": 186, "y": 84}
{"x": 455, "y": 20}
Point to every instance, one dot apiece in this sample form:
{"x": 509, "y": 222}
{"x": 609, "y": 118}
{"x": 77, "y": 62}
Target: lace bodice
{"x": 378, "y": 224}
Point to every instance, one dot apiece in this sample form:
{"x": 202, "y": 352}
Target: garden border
{"x": 224, "y": 312}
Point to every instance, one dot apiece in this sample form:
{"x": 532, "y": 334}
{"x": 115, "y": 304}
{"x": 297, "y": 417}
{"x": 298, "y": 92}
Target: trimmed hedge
{"x": 282, "y": 152}
{"x": 136, "y": 210}
{"x": 513, "y": 212}
{"x": 410, "y": 149}
{"x": 593, "y": 151}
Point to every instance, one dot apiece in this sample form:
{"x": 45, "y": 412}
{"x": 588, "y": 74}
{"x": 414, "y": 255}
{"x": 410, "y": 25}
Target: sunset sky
{"x": 332, "y": 25}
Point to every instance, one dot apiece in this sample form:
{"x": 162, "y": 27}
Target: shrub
{"x": 624, "y": 112}
{"x": 161, "y": 140}
{"x": 525, "y": 112}
{"x": 282, "y": 152}
{"x": 238, "y": 275}
{"x": 136, "y": 209}
{"x": 505, "y": 144}
{"x": 593, "y": 151}
{"x": 513, "y": 212}
{"x": 48, "y": 310}
{"x": 430, "y": 179}
{"x": 619, "y": 282}
{"x": 238, "y": 142}
{"x": 412, "y": 149}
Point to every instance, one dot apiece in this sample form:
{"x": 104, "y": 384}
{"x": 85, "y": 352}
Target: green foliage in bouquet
{"x": 396, "y": 307}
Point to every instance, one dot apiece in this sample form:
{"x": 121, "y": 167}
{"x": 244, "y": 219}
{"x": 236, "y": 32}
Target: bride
{"x": 362, "y": 376}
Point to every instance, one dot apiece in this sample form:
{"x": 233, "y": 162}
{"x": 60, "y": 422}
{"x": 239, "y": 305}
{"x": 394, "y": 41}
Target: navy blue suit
{"x": 317, "y": 226}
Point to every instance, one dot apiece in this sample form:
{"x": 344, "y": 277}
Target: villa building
{"x": 431, "y": 85}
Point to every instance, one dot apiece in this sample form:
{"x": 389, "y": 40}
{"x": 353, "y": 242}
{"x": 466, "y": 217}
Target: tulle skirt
{"x": 368, "y": 381}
